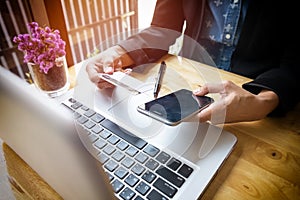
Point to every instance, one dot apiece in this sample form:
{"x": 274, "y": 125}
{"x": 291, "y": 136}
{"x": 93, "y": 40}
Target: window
{"x": 85, "y": 25}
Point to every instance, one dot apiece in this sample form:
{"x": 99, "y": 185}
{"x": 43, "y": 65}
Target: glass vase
{"x": 53, "y": 83}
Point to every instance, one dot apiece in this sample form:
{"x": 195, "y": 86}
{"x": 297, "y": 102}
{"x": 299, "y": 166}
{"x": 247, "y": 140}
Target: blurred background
{"x": 87, "y": 26}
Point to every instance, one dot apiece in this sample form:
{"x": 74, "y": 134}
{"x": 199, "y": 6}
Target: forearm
{"x": 152, "y": 43}
{"x": 267, "y": 101}
{"x": 285, "y": 83}
{"x": 149, "y": 45}
{"x": 126, "y": 60}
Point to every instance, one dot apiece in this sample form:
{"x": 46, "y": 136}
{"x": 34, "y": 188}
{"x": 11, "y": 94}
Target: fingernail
{"x": 197, "y": 90}
{"x": 127, "y": 71}
{"x": 108, "y": 69}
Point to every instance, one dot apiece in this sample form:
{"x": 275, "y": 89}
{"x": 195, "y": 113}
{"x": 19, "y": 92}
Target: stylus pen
{"x": 159, "y": 79}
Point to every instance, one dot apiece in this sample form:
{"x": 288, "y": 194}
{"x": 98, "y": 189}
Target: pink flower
{"x": 41, "y": 47}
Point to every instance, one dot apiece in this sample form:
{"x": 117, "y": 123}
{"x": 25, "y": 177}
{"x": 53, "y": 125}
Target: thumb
{"x": 201, "y": 91}
{"x": 108, "y": 69}
{"x": 205, "y": 114}
{"x": 211, "y": 88}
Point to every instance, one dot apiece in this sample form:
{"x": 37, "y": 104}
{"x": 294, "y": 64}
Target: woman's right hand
{"x": 112, "y": 59}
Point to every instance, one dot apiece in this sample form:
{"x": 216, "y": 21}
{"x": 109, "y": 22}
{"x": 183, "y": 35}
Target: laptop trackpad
{"x": 189, "y": 139}
{"x": 124, "y": 111}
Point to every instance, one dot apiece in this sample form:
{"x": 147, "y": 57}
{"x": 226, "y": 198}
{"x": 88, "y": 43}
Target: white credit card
{"x": 119, "y": 79}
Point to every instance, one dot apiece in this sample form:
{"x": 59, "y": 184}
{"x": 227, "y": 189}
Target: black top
{"x": 266, "y": 50}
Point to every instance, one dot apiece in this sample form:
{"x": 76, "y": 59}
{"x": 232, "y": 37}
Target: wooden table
{"x": 264, "y": 165}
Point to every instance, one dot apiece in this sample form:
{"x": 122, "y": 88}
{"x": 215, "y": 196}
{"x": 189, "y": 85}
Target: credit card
{"x": 112, "y": 80}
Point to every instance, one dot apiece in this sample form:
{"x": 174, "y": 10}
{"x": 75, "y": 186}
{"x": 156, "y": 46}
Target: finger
{"x": 104, "y": 84}
{"x": 108, "y": 69}
{"x": 118, "y": 64}
{"x": 113, "y": 63}
{"x": 211, "y": 88}
{"x": 92, "y": 71}
{"x": 215, "y": 113}
{"x": 205, "y": 114}
{"x": 127, "y": 71}
{"x": 201, "y": 91}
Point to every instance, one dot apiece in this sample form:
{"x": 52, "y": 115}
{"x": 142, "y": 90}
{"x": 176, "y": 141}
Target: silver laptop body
{"x": 67, "y": 155}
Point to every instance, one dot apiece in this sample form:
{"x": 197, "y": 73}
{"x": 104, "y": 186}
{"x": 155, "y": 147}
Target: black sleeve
{"x": 284, "y": 82}
{"x": 284, "y": 78}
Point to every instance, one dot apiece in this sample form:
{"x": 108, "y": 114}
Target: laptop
{"x": 94, "y": 144}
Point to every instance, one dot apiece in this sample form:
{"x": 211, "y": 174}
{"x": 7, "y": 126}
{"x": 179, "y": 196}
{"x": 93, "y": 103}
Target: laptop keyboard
{"x": 136, "y": 169}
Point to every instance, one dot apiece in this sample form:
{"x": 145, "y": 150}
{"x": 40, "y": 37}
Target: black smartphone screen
{"x": 175, "y": 107}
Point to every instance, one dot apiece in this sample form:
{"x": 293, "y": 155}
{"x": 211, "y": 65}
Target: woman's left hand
{"x": 236, "y": 104}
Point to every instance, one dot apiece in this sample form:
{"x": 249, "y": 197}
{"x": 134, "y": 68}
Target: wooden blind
{"x": 98, "y": 24}
{"x": 14, "y": 15}
{"x": 86, "y": 26}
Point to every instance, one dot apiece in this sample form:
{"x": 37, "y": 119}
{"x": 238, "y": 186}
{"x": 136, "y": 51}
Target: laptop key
{"x": 122, "y": 145}
{"x": 128, "y": 162}
{"x": 138, "y": 198}
{"x": 151, "y": 150}
{"x": 131, "y": 151}
{"x": 113, "y": 139}
{"x": 103, "y": 157}
{"x": 82, "y": 119}
{"x": 154, "y": 195}
{"x": 100, "y": 143}
{"x": 85, "y": 108}
{"x": 131, "y": 180}
{"x": 163, "y": 157}
{"x": 185, "y": 170}
{"x": 72, "y": 100}
{"x": 138, "y": 169}
{"x": 97, "y": 118}
{"x": 109, "y": 149}
{"x": 92, "y": 138}
{"x": 174, "y": 164}
{"x": 111, "y": 165}
{"x": 76, "y": 115}
{"x": 152, "y": 164}
{"x": 148, "y": 176}
{"x": 105, "y": 134}
{"x": 142, "y": 188}
{"x": 110, "y": 177}
{"x": 170, "y": 176}
{"x": 76, "y": 105}
{"x": 89, "y": 124}
{"x": 118, "y": 156}
{"x": 121, "y": 172}
{"x": 165, "y": 187}
{"x": 97, "y": 129}
{"x": 135, "y": 141}
{"x": 141, "y": 157}
{"x": 127, "y": 194}
{"x": 117, "y": 185}
{"x": 89, "y": 113}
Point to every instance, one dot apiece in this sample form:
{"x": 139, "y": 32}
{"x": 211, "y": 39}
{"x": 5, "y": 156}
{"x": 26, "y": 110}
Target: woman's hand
{"x": 236, "y": 104}
{"x": 113, "y": 59}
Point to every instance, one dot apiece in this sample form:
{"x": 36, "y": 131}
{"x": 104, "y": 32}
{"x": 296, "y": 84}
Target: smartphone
{"x": 175, "y": 107}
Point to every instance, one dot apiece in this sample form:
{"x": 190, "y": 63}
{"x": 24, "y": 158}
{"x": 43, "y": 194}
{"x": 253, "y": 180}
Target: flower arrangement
{"x": 42, "y": 46}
